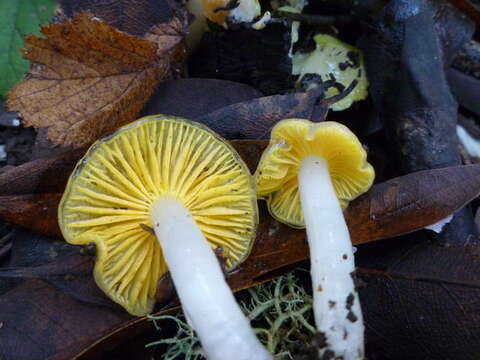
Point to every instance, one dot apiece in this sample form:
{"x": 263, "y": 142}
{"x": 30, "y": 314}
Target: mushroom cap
{"x": 110, "y": 193}
{"x": 291, "y": 141}
{"x": 333, "y": 57}
{"x": 209, "y": 7}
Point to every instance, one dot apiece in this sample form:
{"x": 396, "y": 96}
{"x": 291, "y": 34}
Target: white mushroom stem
{"x": 336, "y": 304}
{"x": 207, "y": 300}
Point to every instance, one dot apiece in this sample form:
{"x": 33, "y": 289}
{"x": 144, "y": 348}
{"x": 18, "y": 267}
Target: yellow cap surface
{"x": 294, "y": 139}
{"x": 334, "y": 57}
{"x": 209, "y": 7}
{"x": 110, "y": 193}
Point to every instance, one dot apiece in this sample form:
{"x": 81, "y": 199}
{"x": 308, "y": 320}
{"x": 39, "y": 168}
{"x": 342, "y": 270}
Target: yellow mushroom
{"x": 192, "y": 189}
{"x": 333, "y": 57}
{"x": 307, "y": 174}
{"x": 219, "y": 11}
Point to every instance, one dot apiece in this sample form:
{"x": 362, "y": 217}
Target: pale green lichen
{"x": 280, "y": 312}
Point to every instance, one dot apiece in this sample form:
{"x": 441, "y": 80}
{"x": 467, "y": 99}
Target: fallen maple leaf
{"x": 88, "y": 78}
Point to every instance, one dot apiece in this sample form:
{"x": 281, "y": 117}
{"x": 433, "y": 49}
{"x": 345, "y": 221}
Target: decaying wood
{"x": 257, "y": 58}
{"x": 410, "y": 90}
{"x": 424, "y": 310}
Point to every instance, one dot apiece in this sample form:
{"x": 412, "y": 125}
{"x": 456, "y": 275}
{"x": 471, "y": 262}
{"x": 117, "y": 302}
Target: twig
{"x": 343, "y": 93}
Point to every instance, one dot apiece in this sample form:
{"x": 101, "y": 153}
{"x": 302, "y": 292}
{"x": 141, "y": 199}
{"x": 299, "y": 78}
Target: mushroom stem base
{"x": 207, "y": 300}
{"x": 337, "y": 309}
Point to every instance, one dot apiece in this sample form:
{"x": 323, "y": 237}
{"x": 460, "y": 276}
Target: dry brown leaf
{"x": 88, "y": 78}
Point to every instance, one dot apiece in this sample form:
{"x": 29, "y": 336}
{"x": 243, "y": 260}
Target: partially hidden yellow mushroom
{"x": 334, "y": 58}
{"x": 220, "y": 12}
{"x": 307, "y": 174}
{"x": 160, "y": 195}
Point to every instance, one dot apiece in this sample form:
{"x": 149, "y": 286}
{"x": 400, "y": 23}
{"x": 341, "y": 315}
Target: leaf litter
{"x": 397, "y": 271}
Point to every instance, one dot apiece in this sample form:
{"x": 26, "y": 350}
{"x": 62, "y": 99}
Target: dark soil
{"x": 15, "y": 140}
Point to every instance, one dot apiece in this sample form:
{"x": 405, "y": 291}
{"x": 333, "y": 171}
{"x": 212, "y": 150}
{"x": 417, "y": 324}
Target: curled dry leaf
{"x": 192, "y": 98}
{"x": 465, "y": 88}
{"x": 36, "y": 176}
{"x": 468, "y": 7}
{"x": 88, "y": 78}
{"x": 254, "y": 119}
